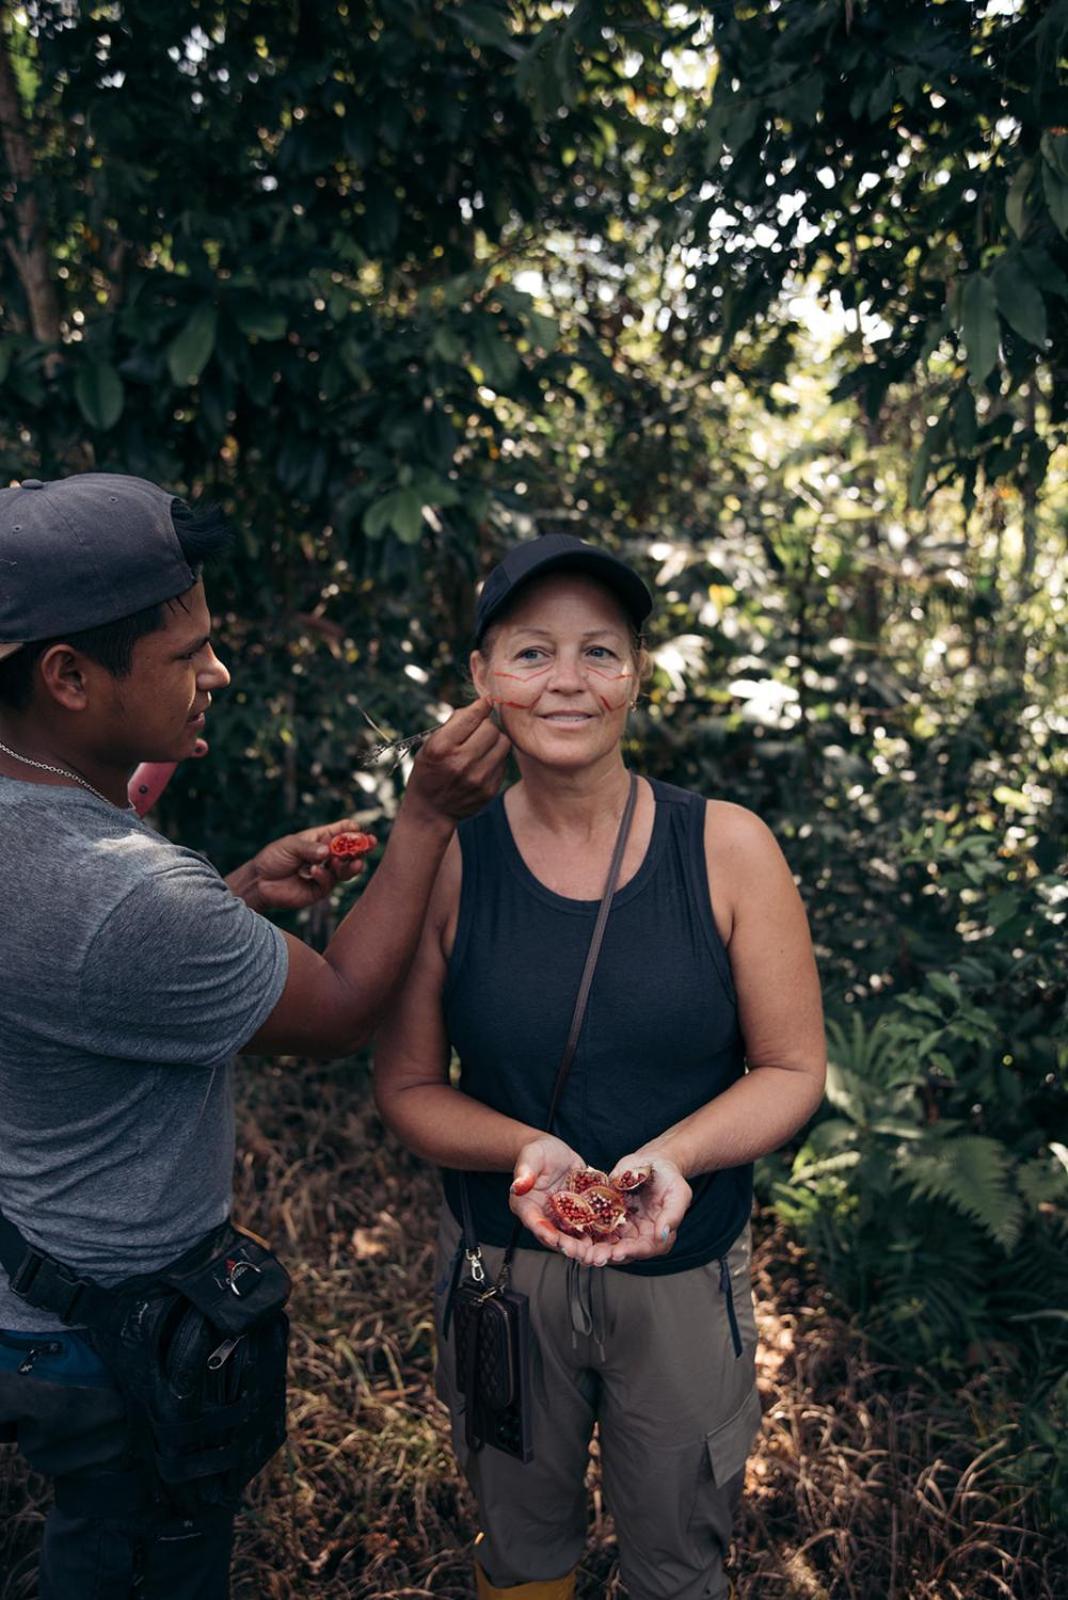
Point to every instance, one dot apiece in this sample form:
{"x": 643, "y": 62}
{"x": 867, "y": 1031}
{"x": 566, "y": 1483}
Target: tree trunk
{"x": 29, "y": 249}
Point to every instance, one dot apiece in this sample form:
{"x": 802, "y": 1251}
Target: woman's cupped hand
{"x": 654, "y": 1212}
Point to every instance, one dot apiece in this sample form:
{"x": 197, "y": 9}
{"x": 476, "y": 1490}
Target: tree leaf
{"x": 401, "y": 510}
{"x": 1019, "y": 300}
{"x": 99, "y": 393}
{"x": 979, "y": 316}
{"x": 406, "y": 515}
{"x": 544, "y": 331}
{"x": 486, "y": 25}
{"x": 498, "y": 359}
{"x": 259, "y": 319}
{"x": 7, "y": 350}
{"x": 1055, "y": 189}
{"x": 189, "y": 353}
{"x": 1054, "y": 147}
{"x": 447, "y": 344}
{"x": 1016, "y": 199}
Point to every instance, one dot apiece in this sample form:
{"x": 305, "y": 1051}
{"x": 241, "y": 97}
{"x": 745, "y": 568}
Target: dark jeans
{"x": 106, "y": 1538}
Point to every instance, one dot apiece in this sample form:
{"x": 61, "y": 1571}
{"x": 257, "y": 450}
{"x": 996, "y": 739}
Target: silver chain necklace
{"x": 60, "y": 772}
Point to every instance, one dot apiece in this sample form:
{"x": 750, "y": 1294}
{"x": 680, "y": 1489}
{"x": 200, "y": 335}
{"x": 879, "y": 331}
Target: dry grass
{"x": 868, "y": 1483}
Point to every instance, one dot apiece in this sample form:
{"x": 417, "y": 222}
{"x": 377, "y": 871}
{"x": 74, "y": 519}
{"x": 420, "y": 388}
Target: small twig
{"x": 395, "y": 749}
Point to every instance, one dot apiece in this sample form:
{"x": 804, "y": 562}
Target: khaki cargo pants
{"x": 655, "y": 1363}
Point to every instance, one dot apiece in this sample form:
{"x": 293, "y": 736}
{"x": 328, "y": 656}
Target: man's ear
{"x": 63, "y": 674}
{"x": 480, "y": 672}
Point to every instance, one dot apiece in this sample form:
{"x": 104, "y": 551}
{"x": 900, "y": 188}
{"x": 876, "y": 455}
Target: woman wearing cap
{"x": 701, "y": 1048}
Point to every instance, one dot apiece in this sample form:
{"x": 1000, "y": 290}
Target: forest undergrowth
{"x": 869, "y": 1482}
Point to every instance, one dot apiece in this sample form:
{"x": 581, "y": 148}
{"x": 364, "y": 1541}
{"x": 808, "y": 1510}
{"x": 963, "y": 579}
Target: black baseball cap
{"x": 81, "y": 551}
{"x": 559, "y": 552}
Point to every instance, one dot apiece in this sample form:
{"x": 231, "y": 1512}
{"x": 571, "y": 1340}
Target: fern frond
{"x": 970, "y": 1173}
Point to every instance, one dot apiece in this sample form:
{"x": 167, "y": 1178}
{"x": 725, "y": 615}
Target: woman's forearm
{"x": 449, "y": 1128}
{"x": 753, "y": 1117}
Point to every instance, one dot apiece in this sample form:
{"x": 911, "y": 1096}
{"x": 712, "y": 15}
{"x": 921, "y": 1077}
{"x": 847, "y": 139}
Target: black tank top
{"x": 660, "y": 1037}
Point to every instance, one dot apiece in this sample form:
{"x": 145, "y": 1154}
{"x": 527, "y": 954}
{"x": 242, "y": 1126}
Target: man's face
{"x": 157, "y": 712}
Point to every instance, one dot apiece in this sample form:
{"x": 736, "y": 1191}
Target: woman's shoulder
{"x": 725, "y": 822}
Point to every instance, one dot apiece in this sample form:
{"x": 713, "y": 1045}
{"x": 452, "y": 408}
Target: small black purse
{"x": 493, "y": 1335}
{"x": 493, "y": 1350}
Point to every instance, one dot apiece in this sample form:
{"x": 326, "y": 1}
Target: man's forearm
{"x": 373, "y": 948}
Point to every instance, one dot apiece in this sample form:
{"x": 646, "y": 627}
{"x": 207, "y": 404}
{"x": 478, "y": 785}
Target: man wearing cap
{"x": 132, "y": 973}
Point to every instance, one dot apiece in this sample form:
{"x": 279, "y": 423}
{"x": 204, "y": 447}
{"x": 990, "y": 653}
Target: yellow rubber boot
{"x": 550, "y": 1589}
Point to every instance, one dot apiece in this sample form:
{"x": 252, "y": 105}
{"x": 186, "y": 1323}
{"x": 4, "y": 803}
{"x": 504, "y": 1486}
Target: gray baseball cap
{"x": 81, "y": 551}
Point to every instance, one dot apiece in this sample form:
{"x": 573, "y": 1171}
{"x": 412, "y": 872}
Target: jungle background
{"x": 773, "y": 299}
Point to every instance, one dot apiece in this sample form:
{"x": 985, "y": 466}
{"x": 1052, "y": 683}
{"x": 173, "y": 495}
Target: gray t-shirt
{"x": 129, "y": 975}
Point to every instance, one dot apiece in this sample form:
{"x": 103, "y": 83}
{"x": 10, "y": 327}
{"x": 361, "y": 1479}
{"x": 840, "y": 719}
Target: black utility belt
{"x": 197, "y": 1349}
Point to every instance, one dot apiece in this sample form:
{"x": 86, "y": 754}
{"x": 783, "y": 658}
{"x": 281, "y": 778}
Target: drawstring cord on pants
{"x": 580, "y": 1295}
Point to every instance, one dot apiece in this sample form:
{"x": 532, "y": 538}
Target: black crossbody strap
{"x": 579, "y": 1014}
{"x": 470, "y": 1237}
{"x": 594, "y": 951}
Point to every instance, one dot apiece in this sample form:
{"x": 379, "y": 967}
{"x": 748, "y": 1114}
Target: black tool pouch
{"x": 198, "y": 1351}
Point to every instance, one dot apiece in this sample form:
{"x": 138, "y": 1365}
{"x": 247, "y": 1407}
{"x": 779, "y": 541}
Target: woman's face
{"x": 562, "y": 670}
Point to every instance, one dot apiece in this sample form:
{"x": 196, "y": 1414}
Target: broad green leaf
{"x": 979, "y": 315}
{"x": 406, "y": 515}
{"x": 401, "y": 510}
{"x": 544, "y": 330}
{"x": 99, "y": 393}
{"x": 965, "y": 431}
{"x": 486, "y": 25}
{"x": 1019, "y": 301}
{"x": 377, "y": 518}
{"x": 446, "y": 344}
{"x": 189, "y": 353}
{"x": 7, "y": 351}
{"x": 1016, "y": 199}
{"x": 1054, "y": 147}
{"x": 497, "y": 358}
{"x": 261, "y": 321}
{"x": 351, "y": 356}
{"x": 1055, "y": 189}
{"x": 537, "y": 79}
{"x": 944, "y": 985}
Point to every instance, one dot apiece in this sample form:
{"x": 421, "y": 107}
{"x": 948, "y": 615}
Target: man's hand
{"x": 662, "y": 1202}
{"x": 460, "y": 766}
{"x": 297, "y": 870}
{"x": 542, "y": 1166}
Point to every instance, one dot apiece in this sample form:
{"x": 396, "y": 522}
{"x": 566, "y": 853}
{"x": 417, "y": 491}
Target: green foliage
{"x": 911, "y": 160}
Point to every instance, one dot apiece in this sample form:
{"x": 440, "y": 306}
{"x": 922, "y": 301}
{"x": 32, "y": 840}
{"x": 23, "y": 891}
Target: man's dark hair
{"x": 202, "y": 534}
